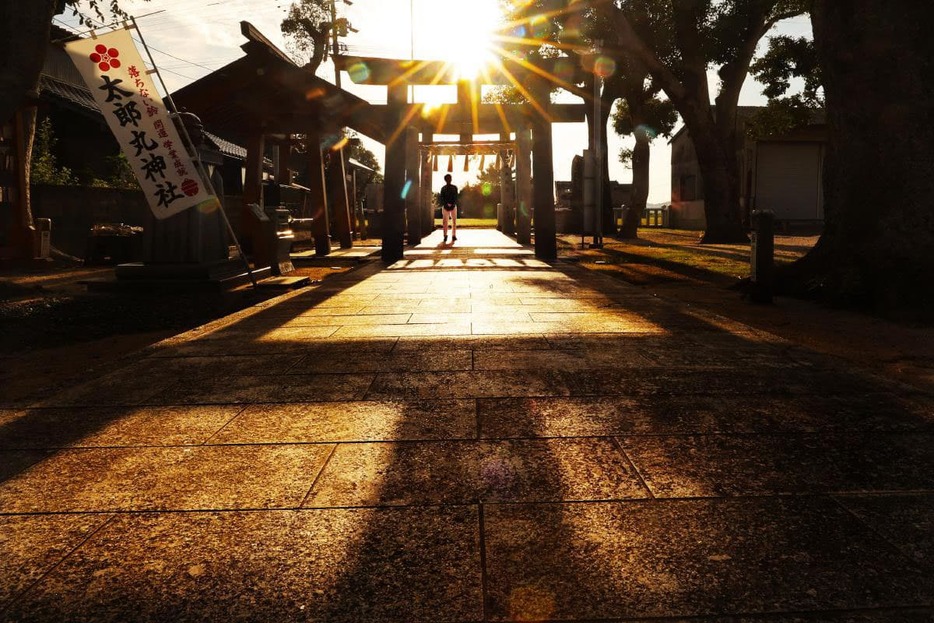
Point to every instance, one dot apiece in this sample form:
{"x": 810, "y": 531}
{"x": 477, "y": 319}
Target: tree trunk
{"x": 878, "y": 184}
{"x": 24, "y": 37}
{"x": 640, "y": 184}
{"x": 606, "y": 199}
{"x": 716, "y": 157}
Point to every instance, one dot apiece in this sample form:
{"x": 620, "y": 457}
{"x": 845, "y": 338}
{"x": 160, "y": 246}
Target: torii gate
{"x": 525, "y": 128}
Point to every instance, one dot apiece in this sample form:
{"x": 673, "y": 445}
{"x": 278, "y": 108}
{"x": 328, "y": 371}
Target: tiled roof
{"x": 80, "y": 97}
{"x": 226, "y": 147}
{"x": 70, "y": 93}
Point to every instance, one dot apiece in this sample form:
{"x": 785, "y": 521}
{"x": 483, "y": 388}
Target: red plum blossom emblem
{"x": 106, "y": 58}
{"x": 190, "y": 187}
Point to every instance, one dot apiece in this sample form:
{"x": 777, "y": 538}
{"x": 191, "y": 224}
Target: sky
{"x": 191, "y": 38}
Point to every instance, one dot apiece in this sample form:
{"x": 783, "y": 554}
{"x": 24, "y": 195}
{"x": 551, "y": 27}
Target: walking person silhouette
{"x": 449, "y": 208}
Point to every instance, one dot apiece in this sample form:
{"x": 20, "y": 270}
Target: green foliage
{"x": 119, "y": 174}
{"x": 307, "y": 28}
{"x": 505, "y": 94}
{"x": 657, "y": 118}
{"x": 44, "y": 167}
{"x": 780, "y": 116}
{"x": 787, "y": 58}
{"x": 625, "y": 156}
{"x": 106, "y": 11}
{"x": 317, "y": 12}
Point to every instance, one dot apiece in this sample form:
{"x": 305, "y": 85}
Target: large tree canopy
{"x": 678, "y": 41}
{"x": 24, "y": 35}
{"x": 307, "y": 28}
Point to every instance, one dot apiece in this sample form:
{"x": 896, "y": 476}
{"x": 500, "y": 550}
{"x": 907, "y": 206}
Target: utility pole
{"x": 336, "y": 46}
{"x": 598, "y": 149}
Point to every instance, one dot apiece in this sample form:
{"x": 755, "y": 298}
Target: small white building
{"x": 783, "y": 174}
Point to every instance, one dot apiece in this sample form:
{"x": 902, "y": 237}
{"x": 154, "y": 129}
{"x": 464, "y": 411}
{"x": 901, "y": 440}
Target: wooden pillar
{"x": 341, "y": 200}
{"x": 250, "y": 227}
{"x": 427, "y": 192}
{"x": 411, "y": 190}
{"x": 394, "y": 180}
{"x": 524, "y": 186}
{"x": 22, "y": 232}
{"x": 318, "y": 196}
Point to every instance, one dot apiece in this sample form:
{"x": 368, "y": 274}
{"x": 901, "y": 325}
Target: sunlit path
{"x": 470, "y": 434}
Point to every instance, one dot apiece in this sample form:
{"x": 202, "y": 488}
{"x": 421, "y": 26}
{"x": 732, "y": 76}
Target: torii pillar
{"x": 546, "y": 242}
{"x": 412, "y": 188}
{"x": 394, "y": 183}
{"x": 524, "y": 186}
{"x": 507, "y": 193}
{"x": 426, "y": 194}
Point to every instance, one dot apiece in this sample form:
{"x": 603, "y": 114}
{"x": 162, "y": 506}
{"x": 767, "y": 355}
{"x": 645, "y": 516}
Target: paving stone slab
{"x": 419, "y": 565}
{"x": 467, "y": 472}
{"x": 403, "y": 330}
{"x": 500, "y": 383}
{"x": 353, "y": 320}
{"x": 699, "y": 414}
{"x": 725, "y": 381}
{"x": 265, "y": 389}
{"x": 880, "y": 615}
{"x": 474, "y": 342}
{"x": 133, "y": 426}
{"x": 112, "y": 390}
{"x": 609, "y": 561}
{"x": 727, "y": 465}
{"x": 204, "y": 367}
{"x": 440, "y": 359}
{"x": 31, "y": 545}
{"x": 188, "y": 478}
{"x": 327, "y": 422}
{"x": 503, "y": 418}
{"x": 555, "y": 359}
{"x": 907, "y": 521}
{"x": 251, "y": 343}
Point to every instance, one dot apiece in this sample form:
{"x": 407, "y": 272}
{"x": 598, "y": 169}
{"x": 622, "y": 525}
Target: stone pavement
{"x": 471, "y": 435}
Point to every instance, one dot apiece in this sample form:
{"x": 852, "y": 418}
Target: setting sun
{"x": 463, "y": 34}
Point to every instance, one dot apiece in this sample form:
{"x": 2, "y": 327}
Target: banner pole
{"x": 205, "y": 178}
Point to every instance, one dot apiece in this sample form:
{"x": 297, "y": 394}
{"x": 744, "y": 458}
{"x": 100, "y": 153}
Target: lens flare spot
{"x": 646, "y": 131}
{"x": 604, "y": 67}
{"x": 359, "y": 72}
{"x": 540, "y": 27}
{"x": 209, "y": 206}
{"x": 314, "y": 94}
{"x": 406, "y": 189}
{"x": 487, "y": 189}
{"x": 339, "y": 145}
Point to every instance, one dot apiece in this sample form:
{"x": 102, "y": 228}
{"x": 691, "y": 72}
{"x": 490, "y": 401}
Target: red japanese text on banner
{"x": 114, "y": 71}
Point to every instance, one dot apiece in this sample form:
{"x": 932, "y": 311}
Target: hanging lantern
{"x": 466, "y": 162}
{"x": 482, "y": 163}
{"x": 451, "y": 164}
{"x": 434, "y": 162}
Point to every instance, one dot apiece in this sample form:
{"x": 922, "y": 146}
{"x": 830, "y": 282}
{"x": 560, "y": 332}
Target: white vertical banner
{"x": 121, "y": 85}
